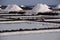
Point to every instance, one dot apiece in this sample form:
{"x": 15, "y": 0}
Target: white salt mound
{"x": 13, "y": 8}
{"x": 58, "y": 6}
{"x": 41, "y": 8}
{"x": 0, "y": 9}
{"x": 22, "y": 6}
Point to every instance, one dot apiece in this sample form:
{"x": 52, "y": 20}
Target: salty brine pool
{"x": 27, "y": 25}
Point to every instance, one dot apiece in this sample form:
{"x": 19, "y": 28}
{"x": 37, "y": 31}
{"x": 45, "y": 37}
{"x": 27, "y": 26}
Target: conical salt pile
{"x": 13, "y": 8}
{"x": 22, "y": 6}
{"x": 58, "y": 6}
{"x": 41, "y": 8}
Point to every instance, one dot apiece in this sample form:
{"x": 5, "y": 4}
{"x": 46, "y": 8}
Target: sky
{"x": 29, "y": 2}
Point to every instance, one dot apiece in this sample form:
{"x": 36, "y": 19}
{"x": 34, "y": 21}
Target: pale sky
{"x": 29, "y": 2}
